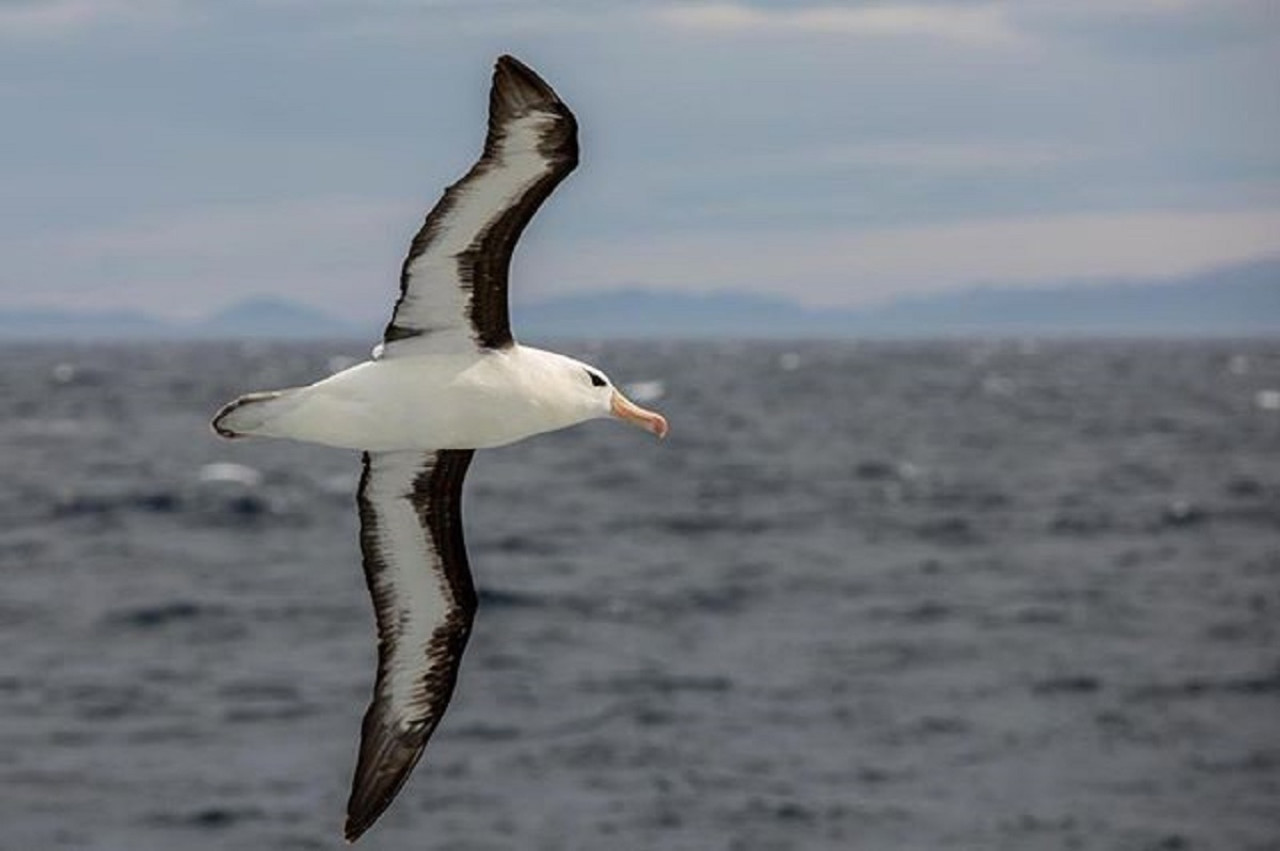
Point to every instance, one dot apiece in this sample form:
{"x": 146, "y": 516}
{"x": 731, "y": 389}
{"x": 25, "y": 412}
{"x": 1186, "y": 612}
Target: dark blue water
{"x": 889, "y": 596}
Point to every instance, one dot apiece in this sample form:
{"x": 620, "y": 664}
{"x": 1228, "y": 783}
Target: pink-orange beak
{"x": 624, "y": 409}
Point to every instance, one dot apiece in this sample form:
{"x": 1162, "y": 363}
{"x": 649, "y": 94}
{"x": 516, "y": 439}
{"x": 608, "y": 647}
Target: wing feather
{"x": 453, "y": 285}
{"x": 415, "y": 563}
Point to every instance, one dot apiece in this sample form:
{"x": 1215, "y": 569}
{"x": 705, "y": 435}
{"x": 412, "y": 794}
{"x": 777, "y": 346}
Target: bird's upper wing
{"x": 453, "y": 287}
{"x": 415, "y": 562}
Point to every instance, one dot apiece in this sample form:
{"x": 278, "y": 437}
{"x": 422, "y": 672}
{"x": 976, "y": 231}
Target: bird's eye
{"x": 597, "y": 380}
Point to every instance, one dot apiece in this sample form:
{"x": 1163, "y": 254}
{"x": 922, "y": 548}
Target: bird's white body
{"x": 431, "y": 401}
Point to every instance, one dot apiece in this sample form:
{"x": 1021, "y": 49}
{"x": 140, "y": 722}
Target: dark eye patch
{"x": 597, "y": 380}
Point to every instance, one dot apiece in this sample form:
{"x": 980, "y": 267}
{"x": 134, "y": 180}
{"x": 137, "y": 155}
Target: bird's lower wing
{"x": 415, "y": 562}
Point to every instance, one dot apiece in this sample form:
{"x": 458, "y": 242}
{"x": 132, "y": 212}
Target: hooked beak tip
{"x": 628, "y": 411}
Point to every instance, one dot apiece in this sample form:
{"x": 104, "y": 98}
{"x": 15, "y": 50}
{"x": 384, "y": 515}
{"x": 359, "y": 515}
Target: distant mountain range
{"x": 1236, "y": 300}
{"x": 254, "y": 318}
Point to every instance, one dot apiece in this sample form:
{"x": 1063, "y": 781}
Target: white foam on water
{"x": 229, "y": 471}
{"x": 64, "y": 373}
{"x": 999, "y": 385}
{"x": 908, "y": 471}
{"x": 340, "y": 484}
{"x": 1267, "y": 400}
{"x": 645, "y": 391}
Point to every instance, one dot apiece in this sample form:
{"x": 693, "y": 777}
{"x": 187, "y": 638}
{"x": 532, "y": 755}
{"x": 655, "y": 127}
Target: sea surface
{"x": 963, "y": 595}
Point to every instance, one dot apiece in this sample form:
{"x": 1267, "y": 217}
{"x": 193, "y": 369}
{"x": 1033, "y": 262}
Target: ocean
{"x": 947, "y": 595}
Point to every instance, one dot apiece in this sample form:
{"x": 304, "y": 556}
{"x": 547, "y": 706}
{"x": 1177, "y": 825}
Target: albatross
{"x": 448, "y": 378}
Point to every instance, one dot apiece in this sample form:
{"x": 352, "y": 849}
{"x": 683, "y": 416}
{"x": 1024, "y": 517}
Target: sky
{"x": 176, "y": 156}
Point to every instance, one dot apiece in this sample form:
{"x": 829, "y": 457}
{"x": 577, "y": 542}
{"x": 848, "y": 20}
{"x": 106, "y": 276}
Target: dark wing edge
{"x": 483, "y": 266}
{"x": 394, "y": 733}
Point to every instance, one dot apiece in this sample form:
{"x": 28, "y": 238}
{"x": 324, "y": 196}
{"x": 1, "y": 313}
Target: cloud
{"x": 909, "y": 154}
{"x": 1149, "y": 25}
{"x": 1134, "y": 28}
{"x": 230, "y": 230}
{"x": 833, "y": 152}
{"x": 343, "y": 254}
{"x": 328, "y": 251}
{"x": 1146, "y": 8}
{"x": 847, "y": 266}
{"x": 956, "y": 156}
{"x": 976, "y": 24}
{"x": 55, "y": 18}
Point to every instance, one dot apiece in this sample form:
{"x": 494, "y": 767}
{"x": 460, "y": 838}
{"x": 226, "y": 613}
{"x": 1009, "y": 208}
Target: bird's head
{"x": 596, "y": 395}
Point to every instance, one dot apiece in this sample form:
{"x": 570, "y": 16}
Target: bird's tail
{"x": 252, "y": 413}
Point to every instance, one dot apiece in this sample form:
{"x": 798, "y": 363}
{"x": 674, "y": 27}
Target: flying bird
{"x": 448, "y": 378}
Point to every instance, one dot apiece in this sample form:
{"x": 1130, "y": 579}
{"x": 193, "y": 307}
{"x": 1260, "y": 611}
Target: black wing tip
{"x": 517, "y": 89}
{"x": 374, "y": 787}
{"x": 511, "y": 71}
{"x": 356, "y": 825}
